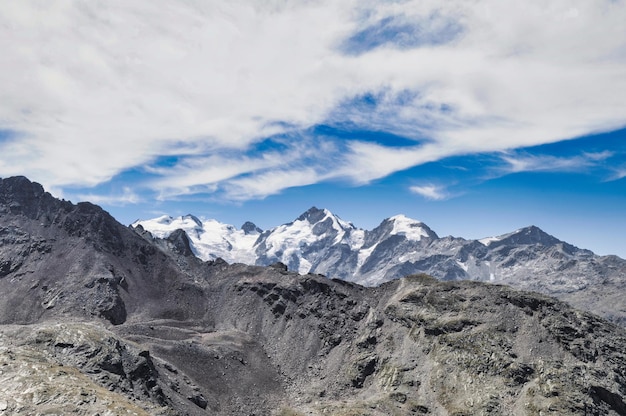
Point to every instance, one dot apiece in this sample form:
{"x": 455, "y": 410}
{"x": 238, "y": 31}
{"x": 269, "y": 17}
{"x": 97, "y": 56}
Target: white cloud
{"x": 530, "y": 163}
{"x": 620, "y": 174}
{"x": 128, "y": 196}
{"x": 367, "y": 161}
{"x": 94, "y": 89}
{"x": 239, "y": 177}
{"x": 269, "y": 183}
{"x": 617, "y": 173}
{"x": 434, "y": 192}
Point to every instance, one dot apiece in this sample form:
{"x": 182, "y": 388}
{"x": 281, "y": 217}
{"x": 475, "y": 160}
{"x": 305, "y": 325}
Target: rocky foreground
{"x": 97, "y": 319}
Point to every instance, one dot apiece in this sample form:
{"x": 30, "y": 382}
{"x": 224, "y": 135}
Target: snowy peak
{"x": 193, "y": 219}
{"x": 210, "y": 239}
{"x": 524, "y": 236}
{"x": 323, "y": 220}
{"x": 313, "y": 215}
{"x": 401, "y": 226}
{"x": 164, "y": 219}
{"x": 412, "y": 229}
{"x": 319, "y": 222}
{"x": 299, "y": 244}
{"x": 162, "y": 227}
{"x": 320, "y": 242}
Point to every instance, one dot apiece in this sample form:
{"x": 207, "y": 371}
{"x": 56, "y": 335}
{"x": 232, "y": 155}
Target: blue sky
{"x": 476, "y": 118}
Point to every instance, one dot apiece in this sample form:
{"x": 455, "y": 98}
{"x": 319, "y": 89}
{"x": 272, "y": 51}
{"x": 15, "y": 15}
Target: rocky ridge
{"x": 142, "y": 326}
{"x": 320, "y": 242}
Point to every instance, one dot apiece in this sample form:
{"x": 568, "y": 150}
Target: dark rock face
{"x": 118, "y": 366}
{"x": 250, "y": 228}
{"x": 19, "y": 196}
{"x": 99, "y": 319}
{"x": 61, "y": 259}
{"x": 313, "y": 215}
{"x": 180, "y": 243}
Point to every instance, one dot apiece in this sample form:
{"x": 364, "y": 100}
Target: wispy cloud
{"x": 269, "y": 183}
{"x": 366, "y": 162}
{"x": 273, "y": 165}
{"x": 433, "y": 192}
{"x": 532, "y": 163}
{"x": 92, "y": 90}
{"x": 128, "y": 196}
{"x": 617, "y": 174}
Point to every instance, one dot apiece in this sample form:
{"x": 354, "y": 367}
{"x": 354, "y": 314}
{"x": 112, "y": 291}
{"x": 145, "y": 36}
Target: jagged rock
{"x": 250, "y": 228}
{"x": 180, "y": 243}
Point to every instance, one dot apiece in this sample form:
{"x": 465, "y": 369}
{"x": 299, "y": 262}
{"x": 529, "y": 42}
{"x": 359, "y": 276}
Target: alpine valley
{"x": 320, "y": 242}
{"x": 98, "y": 318}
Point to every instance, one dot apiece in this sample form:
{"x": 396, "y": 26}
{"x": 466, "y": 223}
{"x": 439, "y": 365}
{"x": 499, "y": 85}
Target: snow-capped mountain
{"x": 209, "y": 239}
{"x": 320, "y": 242}
{"x": 316, "y": 242}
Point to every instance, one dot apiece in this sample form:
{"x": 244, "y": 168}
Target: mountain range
{"x": 100, "y": 318}
{"x": 320, "y": 242}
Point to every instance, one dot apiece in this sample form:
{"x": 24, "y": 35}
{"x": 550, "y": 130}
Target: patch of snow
{"x": 338, "y": 225}
{"x": 209, "y": 240}
{"x": 296, "y": 234}
{"x": 410, "y": 228}
{"x": 305, "y": 266}
{"x": 488, "y": 240}
{"x": 165, "y": 219}
{"x": 363, "y": 255}
{"x": 356, "y": 239}
{"x": 410, "y": 256}
{"x": 226, "y": 241}
{"x": 163, "y": 226}
{"x": 462, "y": 265}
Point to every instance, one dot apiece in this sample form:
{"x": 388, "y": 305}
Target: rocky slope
{"x": 99, "y": 319}
{"x": 320, "y": 242}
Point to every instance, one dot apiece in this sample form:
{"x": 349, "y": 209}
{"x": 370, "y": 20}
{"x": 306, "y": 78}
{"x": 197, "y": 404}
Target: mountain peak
{"x": 21, "y": 183}
{"x": 249, "y": 227}
{"x": 404, "y": 219}
{"x": 313, "y": 215}
{"x": 163, "y": 219}
{"x": 18, "y": 195}
{"x": 192, "y": 218}
{"x": 523, "y": 236}
{"x": 412, "y": 229}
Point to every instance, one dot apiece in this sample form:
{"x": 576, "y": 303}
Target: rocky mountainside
{"x": 100, "y": 319}
{"x": 320, "y": 242}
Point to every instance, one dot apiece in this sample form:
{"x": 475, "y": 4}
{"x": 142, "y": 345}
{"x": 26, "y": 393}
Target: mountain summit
{"x": 524, "y": 236}
{"x": 313, "y": 215}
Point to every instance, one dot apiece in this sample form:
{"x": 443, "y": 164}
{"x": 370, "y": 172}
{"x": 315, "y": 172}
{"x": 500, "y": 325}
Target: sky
{"x": 475, "y": 117}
